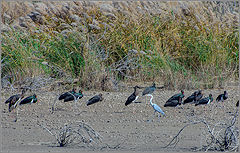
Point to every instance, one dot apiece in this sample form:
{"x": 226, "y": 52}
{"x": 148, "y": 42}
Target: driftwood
{"x": 74, "y": 134}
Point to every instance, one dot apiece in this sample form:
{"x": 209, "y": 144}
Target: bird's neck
{"x": 136, "y": 92}
{"x": 151, "y": 100}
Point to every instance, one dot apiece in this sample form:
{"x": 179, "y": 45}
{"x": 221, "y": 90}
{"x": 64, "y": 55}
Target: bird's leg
{"x": 152, "y": 117}
{"x": 159, "y": 117}
{"x": 16, "y": 116}
{"x": 75, "y": 103}
{"x": 149, "y": 96}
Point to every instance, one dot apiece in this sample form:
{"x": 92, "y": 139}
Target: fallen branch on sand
{"x": 221, "y": 136}
{"x": 74, "y": 134}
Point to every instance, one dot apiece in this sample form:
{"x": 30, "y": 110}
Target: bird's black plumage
{"x": 12, "y": 97}
{"x": 237, "y": 104}
{"x": 71, "y": 98}
{"x": 197, "y": 95}
{"x": 132, "y": 97}
{"x": 204, "y": 101}
{"x": 17, "y": 96}
{"x": 222, "y": 97}
{"x": 67, "y": 94}
{"x": 12, "y": 101}
{"x": 177, "y": 97}
{"x": 173, "y": 102}
{"x": 95, "y": 99}
{"x": 189, "y": 99}
{"x": 28, "y": 100}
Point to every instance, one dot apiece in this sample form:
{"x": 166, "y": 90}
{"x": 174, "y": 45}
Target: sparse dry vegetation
{"x": 77, "y": 133}
{"x": 217, "y": 136}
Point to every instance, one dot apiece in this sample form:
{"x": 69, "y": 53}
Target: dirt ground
{"x": 122, "y": 128}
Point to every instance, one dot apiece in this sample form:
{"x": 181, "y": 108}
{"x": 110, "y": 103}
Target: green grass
{"x": 175, "y": 52}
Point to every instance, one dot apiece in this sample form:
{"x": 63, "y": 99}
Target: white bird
{"x": 156, "y": 108}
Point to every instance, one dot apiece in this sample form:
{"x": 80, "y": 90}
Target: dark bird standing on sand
{"x": 149, "y": 90}
{"x": 67, "y": 94}
{"x": 95, "y": 99}
{"x": 204, "y": 101}
{"x": 222, "y": 97}
{"x": 237, "y": 104}
{"x": 13, "y": 100}
{"x": 16, "y": 96}
{"x": 133, "y": 97}
{"x": 197, "y": 95}
{"x": 78, "y": 95}
{"x": 173, "y": 102}
{"x": 29, "y": 100}
{"x": 177, "y": 96}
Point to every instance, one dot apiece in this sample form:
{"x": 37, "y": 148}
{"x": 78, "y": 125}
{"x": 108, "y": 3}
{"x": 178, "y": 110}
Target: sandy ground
{"x": 121, "y": 128}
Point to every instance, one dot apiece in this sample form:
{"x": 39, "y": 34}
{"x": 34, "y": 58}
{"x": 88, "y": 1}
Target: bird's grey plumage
{"x": 156, "y": 108}
{"x": 149, "y": 90}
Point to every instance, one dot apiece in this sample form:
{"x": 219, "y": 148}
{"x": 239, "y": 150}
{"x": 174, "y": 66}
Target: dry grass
{"x": 182, "y": 51}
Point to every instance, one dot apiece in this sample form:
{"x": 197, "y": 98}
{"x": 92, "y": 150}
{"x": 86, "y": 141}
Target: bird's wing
{"x": 26, "y": 100}
{"x": 174, "y": 97}
{"x": 219, "y": 97}
{"x": 189, "y": 99}
{"x": 130, "y": 99}
{"x": 62, "y": 96}
{"x": 199, "y": 97}
{"x": 158, "y": 108}
{"x": 145, "y": 91}
{"x": 9, "y": 99}
{"x": 68, "y": 98}
{"x": 203, "y": 101}
{"x": 93, "y": 100}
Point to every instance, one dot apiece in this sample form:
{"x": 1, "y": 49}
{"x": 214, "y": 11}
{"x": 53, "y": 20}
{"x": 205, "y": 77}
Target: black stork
{"x": 95, "y": 99}
{"x": 197, "y": 95}
{"x": 204, "y": 101}
{"x": 177, "y": 97}
{"x": 133, "y": 97}
{"x": 29, "y": 100}
{"x": 149, "y": 90}
{"x": 222, "y": 97}
{"x": 14, "y": 100}
{"x": 78, "y": 96}
{"x": 237, "y": 104}
{"x": 173, "y": 102}
{"x": 67, "y": 94}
